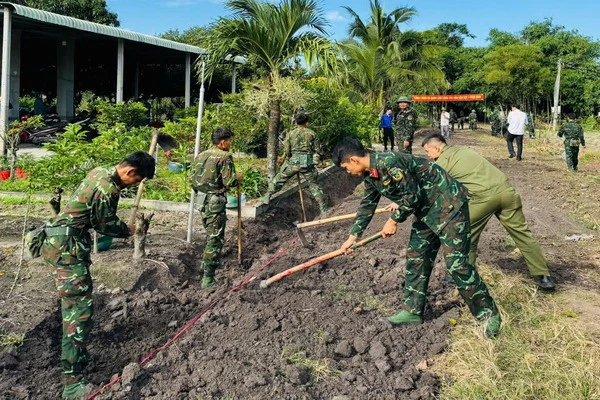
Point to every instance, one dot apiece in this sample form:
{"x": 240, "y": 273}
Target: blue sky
{"x": 157, "y": 16}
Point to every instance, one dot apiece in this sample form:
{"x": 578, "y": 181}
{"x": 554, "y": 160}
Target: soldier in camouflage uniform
{"x": 406, "y": 123}
{"x": 301, "y": 152}
{"x": 573, "y": 134}
{"x": 67, "y": 251}
{"x": 453, "y": 119}
{"x": 473, "y": 120}
{"x": 213, "y": 173}
{"x": 442, "y": 220}
{"x": 496, "y": 123}
{"x": 530, "y": 127}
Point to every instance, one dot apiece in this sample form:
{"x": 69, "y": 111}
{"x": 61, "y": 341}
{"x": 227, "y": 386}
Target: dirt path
{"x": 316, "y": 334}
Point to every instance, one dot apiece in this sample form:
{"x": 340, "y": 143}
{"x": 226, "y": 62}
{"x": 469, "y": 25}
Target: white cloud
{"x": 334, "y": 16}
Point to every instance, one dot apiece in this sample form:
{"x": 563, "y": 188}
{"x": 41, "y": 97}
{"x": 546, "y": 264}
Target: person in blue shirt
{"x": 386, "y": 129}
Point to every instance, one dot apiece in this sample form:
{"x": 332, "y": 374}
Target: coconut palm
{"x": 380, "y": 57}
{"x": 274, "y": 37}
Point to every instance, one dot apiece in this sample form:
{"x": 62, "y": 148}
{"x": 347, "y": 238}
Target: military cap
{"x": 403, "y": 99}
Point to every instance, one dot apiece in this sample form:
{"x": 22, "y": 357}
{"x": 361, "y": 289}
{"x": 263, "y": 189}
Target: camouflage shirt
{"x": 213, "y": 172}
{"x": 94, "y": 205}
{"x": 302, "y": 141}
{"x": 406, "y": 123}
{"x": 472, "y": 117}
{"x": 571, "y": 131}
{"x": 417, "y": 185}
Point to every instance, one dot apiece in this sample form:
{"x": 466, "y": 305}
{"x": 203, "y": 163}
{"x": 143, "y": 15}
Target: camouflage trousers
{"x": 496, "y": 129}
{"x": 69, "y": 260}
{"x": 454, "y": 240}
{"x": 213, "y": 219}
{"x": 401, "y": 148}
{"x": 572, "y": 156}
{"x": 309, "y": 172}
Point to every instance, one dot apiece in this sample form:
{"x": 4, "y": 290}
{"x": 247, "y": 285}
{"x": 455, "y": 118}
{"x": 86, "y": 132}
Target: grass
{"x": 12, "y": 339}
{"x": 362, "y": 300}
{"x": 543, "y": 351}
{"x": 319, "y": 369}
{"x": 18, "y": 201}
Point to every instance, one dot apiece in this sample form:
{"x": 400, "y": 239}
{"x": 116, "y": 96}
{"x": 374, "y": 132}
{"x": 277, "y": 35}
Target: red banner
{"x": 419, "y": 98}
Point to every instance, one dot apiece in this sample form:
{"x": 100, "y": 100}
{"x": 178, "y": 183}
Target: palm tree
{"x": 274, "y": 37}
{"x": 380, "y": 57}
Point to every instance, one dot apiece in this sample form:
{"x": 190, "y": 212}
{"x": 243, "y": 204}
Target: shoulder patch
{"x": 396, "y": 174}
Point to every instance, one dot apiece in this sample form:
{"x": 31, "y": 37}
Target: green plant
{"x": 132, "y": 114}
{"x": 590, "y": 123}
{"x": 319, "y": 369}
{"x": 255, "y": 182}
{"x": 12, "y": 339}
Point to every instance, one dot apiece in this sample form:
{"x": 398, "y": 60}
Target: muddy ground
{"x": 315, "y": 335}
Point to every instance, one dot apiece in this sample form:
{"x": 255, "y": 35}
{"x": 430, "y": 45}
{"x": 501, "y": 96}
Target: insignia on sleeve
{"x": 396, "y": 174}
{"x": 374, "y": 173}
{"x": 409, "y": 118}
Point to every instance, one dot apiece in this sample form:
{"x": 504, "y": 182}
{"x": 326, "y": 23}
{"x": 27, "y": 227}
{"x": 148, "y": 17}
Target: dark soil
{"x": 317, "y": 334}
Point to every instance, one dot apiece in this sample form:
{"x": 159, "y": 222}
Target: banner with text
{"x": 416, "y": 98}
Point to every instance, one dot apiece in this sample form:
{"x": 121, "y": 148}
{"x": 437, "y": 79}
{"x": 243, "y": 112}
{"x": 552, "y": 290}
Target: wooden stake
{"x": 239, "y": 224}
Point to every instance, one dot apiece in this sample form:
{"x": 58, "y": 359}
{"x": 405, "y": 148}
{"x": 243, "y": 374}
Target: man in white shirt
{"x": 517, "y": 121}
{"x": 445, "y": 123}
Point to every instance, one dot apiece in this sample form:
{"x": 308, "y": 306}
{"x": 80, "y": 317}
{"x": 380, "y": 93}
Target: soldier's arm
{"x": 195, "y": 175}
{"x": 561, "y": 131}
{"x": 104, "y": 217}
{"x": 228, "y": 174}
{"x": 581, "y": 135}
{"x": 317, "y": 150}
{"x": 366, "y": 209}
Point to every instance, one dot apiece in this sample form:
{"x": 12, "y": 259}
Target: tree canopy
{"x": 88, "y": 10}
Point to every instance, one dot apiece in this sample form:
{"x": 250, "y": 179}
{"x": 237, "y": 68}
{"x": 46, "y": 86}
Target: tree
{"x": 381, "y": 58}
{"x": 452, "y": 34}
{"x": 275, "y": 37}
{"x": 89, "y": 10}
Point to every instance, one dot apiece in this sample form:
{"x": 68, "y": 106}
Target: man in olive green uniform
{"x": 473, "y": 120}
{"x": 212, "y": 174}
{"x": 573, "y": 134}
{"x": 67, "y": 251}
{"x": 406, "y": 123}
{"x": 496, "y": 123}
{"x": 453, "y": 119}
{"x": 301, "y": 154}
{"x": 490, "y": 194}
{"x": 442, "y": 220}
{"x": 530, "y": 127}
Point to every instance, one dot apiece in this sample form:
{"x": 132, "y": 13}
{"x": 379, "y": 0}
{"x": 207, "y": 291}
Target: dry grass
{"x": 543, "y": 351}
{"x": 320, "y": 369}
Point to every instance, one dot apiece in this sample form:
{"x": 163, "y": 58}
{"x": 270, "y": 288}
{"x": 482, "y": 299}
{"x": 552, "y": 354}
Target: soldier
{"x": 573, "y": 134}
{"x": 212, "y": 174}
{"x": 473, "y": 120}
{"x": 453, "y": 120}
{"x": 406, "y": 123}
{"x": 461, "y": 120}
{"x": 67, "y": 251}
{"x": 442, "y": 220}
{"x": 496, "y": 123}
{"x": 530, "y": 127}
{"x": 301, "y": 152}
{"x": 490, "y": 194}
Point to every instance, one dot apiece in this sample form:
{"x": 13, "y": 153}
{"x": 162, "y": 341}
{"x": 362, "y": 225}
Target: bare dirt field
{"x": 317, "y": 334}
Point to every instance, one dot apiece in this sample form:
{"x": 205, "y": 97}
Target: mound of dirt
{"x": 316, "y": 334}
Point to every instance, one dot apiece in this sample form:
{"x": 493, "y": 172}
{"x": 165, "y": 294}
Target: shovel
{"x": 317, "y": 260}
{"x": 165, "y": 142}
{"x": 299, "y": 226}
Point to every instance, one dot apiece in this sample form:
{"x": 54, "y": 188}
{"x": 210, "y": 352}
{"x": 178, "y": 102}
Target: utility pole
{"x": 556, "y": 95}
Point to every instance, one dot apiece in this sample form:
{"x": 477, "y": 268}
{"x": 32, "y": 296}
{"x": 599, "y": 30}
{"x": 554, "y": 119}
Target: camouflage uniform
{"x": 573, "y": 134}
{"x": 67, "y": 251}
{"x": 213, "y": 173}
{"x": 496, "y": 123}
{"x": 473, "y": 121}
{"x": 301, "y": 151}
{"x": 530, "y": 126}
{"x": 453, "y": 119}
{"x": 406, "y": 123}
{"x": 442, "y": 220}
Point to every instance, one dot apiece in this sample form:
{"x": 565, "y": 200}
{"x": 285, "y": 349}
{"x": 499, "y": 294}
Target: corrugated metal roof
{"x": 81, "y": 25}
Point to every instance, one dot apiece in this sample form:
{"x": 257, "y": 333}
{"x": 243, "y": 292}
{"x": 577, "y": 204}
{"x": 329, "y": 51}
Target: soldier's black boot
{"x": 545, "y": 282}
{"x": 492, "y": 326}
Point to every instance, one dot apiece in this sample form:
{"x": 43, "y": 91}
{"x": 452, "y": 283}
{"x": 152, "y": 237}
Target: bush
{"x": 590, "y": 123}
{"x": 132, "y": 114}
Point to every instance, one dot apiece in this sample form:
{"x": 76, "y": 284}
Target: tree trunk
{"x": 142, "y": 221}
{"x": 274, "y": 116}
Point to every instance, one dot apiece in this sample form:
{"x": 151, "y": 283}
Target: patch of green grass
{"x": 341, "y": 292}
{"x": 319, "y": 369}
{"x": 12, "y": 339}
{"x": 319, "y": 336}
{"x": 17, "y": 201}
{"x": 377, "y": 304}
{"x": 542, "y": 352}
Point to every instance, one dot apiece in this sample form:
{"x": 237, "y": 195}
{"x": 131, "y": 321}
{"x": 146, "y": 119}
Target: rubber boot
{"x": 208, "y": 281}
{"x": 79, "y": 390}
{"x": 404, "y": 317}
{"x": 492, "y": 326}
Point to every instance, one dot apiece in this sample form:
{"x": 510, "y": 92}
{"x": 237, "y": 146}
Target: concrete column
{"x": 5, "y": 76}
{"x": 188, "y": 80}
{"x": 120, "y": 69}
{"x": 65, "y": 79}
{"x": 15, "y": 74}
{"x": 233, "y": 77}
{"x": 136, "y": 81}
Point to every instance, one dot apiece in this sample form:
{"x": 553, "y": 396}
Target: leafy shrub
{"x": 590, "y": 123}
{"x": 27, "y": 102}
{"x": 255, "y": 182}
{"x": 132, "y": 113}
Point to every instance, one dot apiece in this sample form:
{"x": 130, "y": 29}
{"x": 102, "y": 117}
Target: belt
{"x": 63, "y": 231}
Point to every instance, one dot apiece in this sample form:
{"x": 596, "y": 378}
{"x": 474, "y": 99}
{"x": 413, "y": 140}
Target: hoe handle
{"x": 334, "y": 219}
{"x": 316, "y": 260}
{"x": 138, "y": 195}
